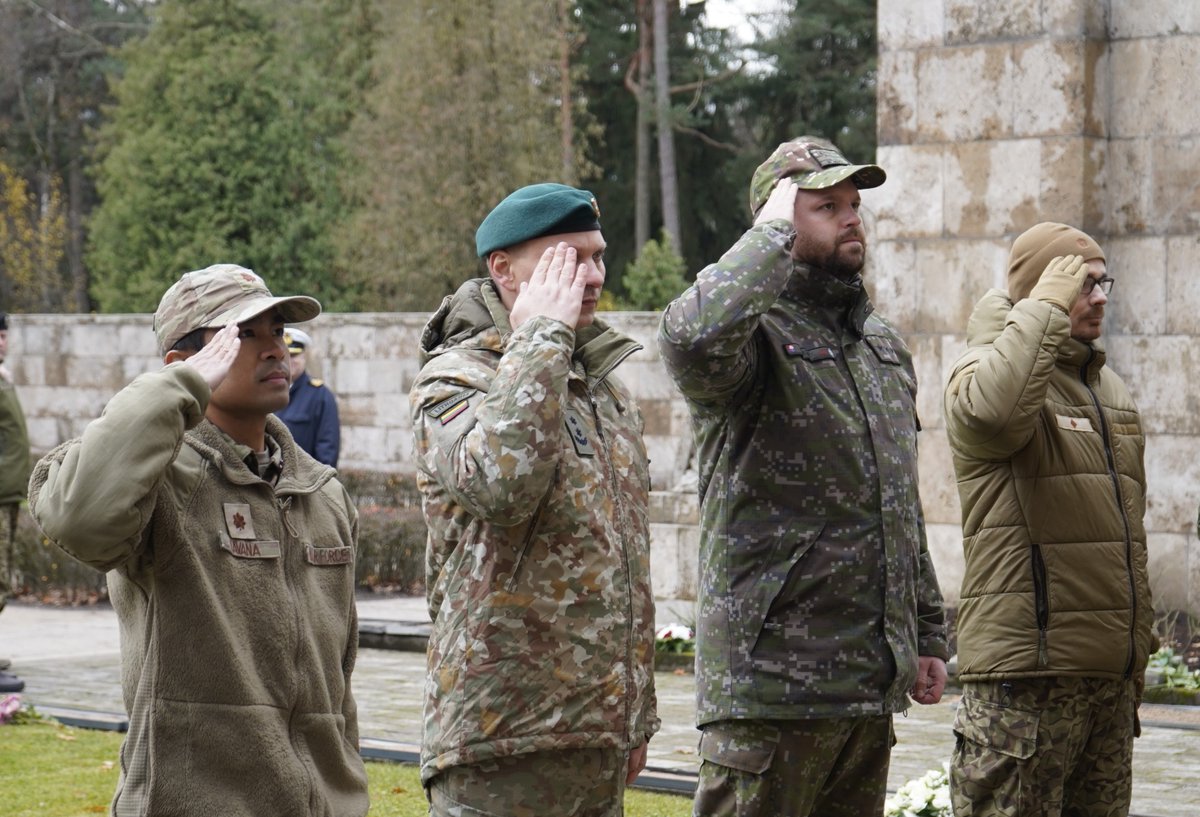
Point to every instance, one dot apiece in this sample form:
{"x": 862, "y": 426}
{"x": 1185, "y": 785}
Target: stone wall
{"x": 997, "y": 114}
{"x": 68, "y": 366}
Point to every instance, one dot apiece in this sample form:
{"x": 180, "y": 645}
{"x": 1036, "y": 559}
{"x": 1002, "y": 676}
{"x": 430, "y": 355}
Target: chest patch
{"x": 1074, "y": 423}
{"x": 816, "y": 354}
{"x": 238, "y": 521}
{"x": 251, "y": 549}
{"x": 577, "y": 431}
{"x": 328, "y": 556}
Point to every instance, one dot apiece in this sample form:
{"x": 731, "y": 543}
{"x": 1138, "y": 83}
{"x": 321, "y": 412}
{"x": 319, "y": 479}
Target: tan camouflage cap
{"x": 813, "y": 164}
{"x": 215, "y": 296}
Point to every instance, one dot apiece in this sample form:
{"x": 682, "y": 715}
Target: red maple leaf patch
{"x": 239, "y": 521}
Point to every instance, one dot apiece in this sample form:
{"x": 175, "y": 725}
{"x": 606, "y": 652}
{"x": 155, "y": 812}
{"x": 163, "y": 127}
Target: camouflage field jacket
{"x": 817, "y": 593}
{"x": 534, "y": 481}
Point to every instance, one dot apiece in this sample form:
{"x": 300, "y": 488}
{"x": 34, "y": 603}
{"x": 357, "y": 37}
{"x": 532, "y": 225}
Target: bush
{"x": 46, "y": 572}
{"x": 656, "y": 277}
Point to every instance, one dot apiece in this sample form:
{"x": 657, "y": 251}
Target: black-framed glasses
{"x": 1105, "y": 283}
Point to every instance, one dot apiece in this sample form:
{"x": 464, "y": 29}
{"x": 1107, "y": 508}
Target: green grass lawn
{"x": 50, "y": 770}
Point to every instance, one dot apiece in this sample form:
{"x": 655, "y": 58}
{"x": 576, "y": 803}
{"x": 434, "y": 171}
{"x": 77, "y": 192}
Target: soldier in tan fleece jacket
{"x": 230, "y": 558}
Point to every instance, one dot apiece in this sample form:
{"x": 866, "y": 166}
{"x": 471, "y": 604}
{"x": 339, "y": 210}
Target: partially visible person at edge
{"x": 819, "y": 611}
{"x": 14, "y": 476}
{"x": 311, "y": 413}
{"x": 230, "y": 560}
{"x": 1054, "y": 622}
{"x": 534, "y": 481}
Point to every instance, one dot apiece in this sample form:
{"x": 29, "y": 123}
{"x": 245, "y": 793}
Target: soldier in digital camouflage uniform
{"x": 1054, "y": 623}
{"x": 819, "y": 611}
{"x": 534, "y": 482}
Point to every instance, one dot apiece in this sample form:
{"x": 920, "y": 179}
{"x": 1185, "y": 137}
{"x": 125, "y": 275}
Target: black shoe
{"x": 10, "y": 683}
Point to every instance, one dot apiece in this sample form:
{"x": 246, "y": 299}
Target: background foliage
{"x": 348, "y": 148}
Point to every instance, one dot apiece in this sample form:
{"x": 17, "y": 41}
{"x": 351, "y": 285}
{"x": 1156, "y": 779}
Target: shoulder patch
{"x": 454, "y": 405}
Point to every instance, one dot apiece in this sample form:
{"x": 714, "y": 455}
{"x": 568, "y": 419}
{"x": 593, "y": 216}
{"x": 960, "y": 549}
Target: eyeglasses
{"x": 1105, "y": 283}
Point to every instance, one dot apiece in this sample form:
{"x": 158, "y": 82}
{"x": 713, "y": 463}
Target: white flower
{"x": 674, "y": 631}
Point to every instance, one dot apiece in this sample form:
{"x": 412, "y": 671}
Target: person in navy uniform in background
{"x": 311, "y": 414}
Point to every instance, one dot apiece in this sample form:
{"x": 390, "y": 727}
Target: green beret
{"x": 535, "y": 211}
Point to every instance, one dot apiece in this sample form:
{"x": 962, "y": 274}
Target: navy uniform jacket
{"x": 312, "y": 417}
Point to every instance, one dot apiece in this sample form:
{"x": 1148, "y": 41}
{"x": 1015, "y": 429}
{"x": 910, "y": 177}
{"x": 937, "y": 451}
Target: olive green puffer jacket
{"x": 1048, "y": 450}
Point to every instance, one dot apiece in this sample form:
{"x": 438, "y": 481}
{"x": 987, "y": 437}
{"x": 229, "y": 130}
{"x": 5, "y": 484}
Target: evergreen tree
{"x": 223, "y": 147}
{"x": 465, "y": 110}
{"x": 656, "y": 277}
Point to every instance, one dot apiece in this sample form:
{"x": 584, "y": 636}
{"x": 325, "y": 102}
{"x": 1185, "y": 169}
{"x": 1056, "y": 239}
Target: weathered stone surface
{"x": 939, "y": 493}
{"x": 896, "y": 98}
{"x": 965, "y": 93}
{"x": 893, "y": 281}
{"x": 1049, "y": 88}
{"x": 1177, "y": 182}
{"x": 1156, "y": 95}
{"x": 945, "y": 547}
{"x": 911, "y": 24}
{"x": 1172, "y": 477}
{"x": 992, "y": 188}
{"x": 1138, "y": 303}
{"x": 1153, "y": 18}
{"x": 1074, "y": 18}
{"x": 909, "y": 204}
{"x": 970, "y": 21}
{"x": 1161, "y": 374}
{"x": 1183, "y": 285}
{"x": 954, "y": 275}
{"x": 1167, "y": 565}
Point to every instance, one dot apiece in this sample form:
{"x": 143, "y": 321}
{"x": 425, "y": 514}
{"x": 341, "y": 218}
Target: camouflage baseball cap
{"x": 215, "y": 296}
{"x": 813, "y": 164}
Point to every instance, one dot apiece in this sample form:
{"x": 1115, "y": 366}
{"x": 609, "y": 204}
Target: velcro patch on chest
{"x": 238, "y": 521}
{"x": 1074, "y": 423}
{"x": 577, "y": 431}
{"x": 251, "y": 548}
{"x": 815, "y": 354}
{"x": 328, "y": 556}
{"x": 454, "y": 405}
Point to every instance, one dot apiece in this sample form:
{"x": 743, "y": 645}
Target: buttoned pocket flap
{"x": 1009, "y": 731}
{"x": 734, "y": 751}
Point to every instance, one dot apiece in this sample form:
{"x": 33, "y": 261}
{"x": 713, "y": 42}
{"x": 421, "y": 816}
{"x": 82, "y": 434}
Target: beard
{"x": 840, "y": 260}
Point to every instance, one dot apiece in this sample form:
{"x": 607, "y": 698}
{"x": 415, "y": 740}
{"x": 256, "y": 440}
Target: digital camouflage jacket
{"x": 534, "y": 482}
{"x": 1048, "y": 451}
{"x": 817, "y": 593}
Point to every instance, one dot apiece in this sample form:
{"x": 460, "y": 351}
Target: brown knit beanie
{"x": 1035, "y": 248}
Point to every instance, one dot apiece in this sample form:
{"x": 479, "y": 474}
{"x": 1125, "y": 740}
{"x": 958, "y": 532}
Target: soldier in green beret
{"x": 534, "y": 481}
{"x": 819, "y": 611}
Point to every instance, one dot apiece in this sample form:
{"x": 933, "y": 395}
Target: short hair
{"x": 191, "y": 342}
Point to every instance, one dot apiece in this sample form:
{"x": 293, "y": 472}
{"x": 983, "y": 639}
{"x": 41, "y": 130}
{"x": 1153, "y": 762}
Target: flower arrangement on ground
{"x": 675, "y": 638}
{"x": 927, "y": 796}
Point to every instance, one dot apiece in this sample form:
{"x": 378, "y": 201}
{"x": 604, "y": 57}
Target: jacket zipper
{"x": 284, "y": 503}
{"x": 1041, "y": 603}
{"x": 1116, "y": 481}
{"x": 623, "y": 517}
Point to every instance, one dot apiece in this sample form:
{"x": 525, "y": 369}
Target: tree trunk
{"x": 641, "y": 219}
{"x": 564, "y": 71}
{"x": 666, "y": 136}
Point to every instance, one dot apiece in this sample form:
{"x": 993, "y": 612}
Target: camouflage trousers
{"x": 1044, "y": 747}
{"x": 8, "y": 539}
{"x": 828, "y": 767}
{"x": 568, "y": 782}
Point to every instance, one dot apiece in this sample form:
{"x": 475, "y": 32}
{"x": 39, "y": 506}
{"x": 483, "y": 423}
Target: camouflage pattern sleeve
{"x": 492, "y": 438}
{"x": 931, "y": 618}
{"x": 706, "y": 332}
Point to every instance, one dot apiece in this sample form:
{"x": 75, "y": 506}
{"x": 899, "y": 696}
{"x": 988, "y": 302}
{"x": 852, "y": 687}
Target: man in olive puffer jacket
{"x": 1054, "y": 623}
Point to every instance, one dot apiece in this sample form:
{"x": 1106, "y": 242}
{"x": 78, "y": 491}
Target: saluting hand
{"x": 555, "y": 290}
{"x": 781, "y": 204}
{"x": 214, "y": 361}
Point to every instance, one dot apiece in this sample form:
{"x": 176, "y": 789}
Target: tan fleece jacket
{"x": 235, "y": 601}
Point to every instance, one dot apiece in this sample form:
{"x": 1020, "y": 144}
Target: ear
{"x": 174, "y": 356}
{"x": 499, "y": 265}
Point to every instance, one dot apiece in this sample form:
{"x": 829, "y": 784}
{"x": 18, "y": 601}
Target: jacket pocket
{"x": 1041, "y": 601}
{"x": 730, "y": 747}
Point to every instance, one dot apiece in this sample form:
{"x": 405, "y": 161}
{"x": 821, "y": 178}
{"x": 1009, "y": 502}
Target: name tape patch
{"x": 328, "y": 556}
{"x": 251, "y": 548}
